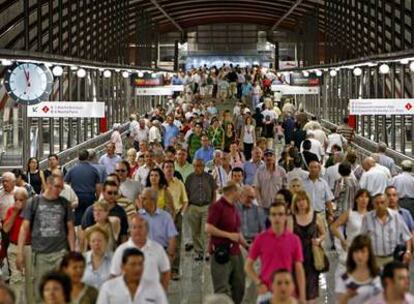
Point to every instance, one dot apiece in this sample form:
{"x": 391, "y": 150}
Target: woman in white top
{"x": 248, "y": 137}
{"x": 348, "y": 225}
{"x": 116, "y": 139}
{"x": 361, "y": 281}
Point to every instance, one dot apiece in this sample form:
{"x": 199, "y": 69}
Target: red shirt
{"x": 15, "y": 229}
{"x": 224, "y": 216}
{"x": 275, "y": 252}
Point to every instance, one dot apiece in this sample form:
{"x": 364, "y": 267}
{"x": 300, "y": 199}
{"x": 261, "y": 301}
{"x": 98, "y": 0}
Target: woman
{"x": 248, "y": 137}
{"x": 21, "y": 182}
{"x": 236, "y": 157}
{"x": 345, "y": 188}
{"x": 286, "y": 160}
{"x": 285, "y": 196}
{"x": 348, "y": 225}
{"x": 216, "y": 134}
{"x": 73, "y": 264}
{"x": 132, "y": 160}
{"x": 229, "y": 137}
{"x": 55, "y": 288}
{"x": 35, "y": 176}
{"x": 361, "y": 280}
{"x": 310, "y": 228}
{"x": 295, "y": 186}
{"x": 98, "y": 259}
{"x": 157, "y": 181}
{"x": 116, "y": 139}
{"x": 110, "y": 224}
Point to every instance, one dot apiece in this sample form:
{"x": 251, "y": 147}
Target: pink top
{"x": 275, "y": 252}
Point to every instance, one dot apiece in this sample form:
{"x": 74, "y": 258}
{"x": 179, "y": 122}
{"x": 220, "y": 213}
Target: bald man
{"x": 374, "y": 180}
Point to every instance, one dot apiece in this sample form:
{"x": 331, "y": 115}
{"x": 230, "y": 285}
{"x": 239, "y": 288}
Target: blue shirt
{"x": 250, "y": 169}
{"x": 205, "y": 154}
{"x": 252, "y": 219}
{"x": 96, "y": 277}
{"x": 407, "y": 217}
{"x": 170, "y": 132}
{"x": 246, "y": 89}
{"x": 83, "y": 178}
{"x": 319, "y": 193}
{"x": 101, "y": 170}
{"x": 161, "y": 226}
{"x": 110, "y": 162}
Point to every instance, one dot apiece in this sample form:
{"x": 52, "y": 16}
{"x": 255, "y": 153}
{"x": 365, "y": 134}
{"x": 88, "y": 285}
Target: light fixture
{"x": 6, "y": 62}
{"x": 305, "y": 74}
{"x": 405, "y": 61}
{"x": 333, "y": 73}
{"x": 412, "y": 66}
{"x": 318, "y": 73}
{"x": 384, "y": 68}
{"x": 357, "y": 72}
{"x": 107, "y": 73}
{"x": 125, "y": 74}
{"x": 81, "y": 73}
{"x": 73, "y": 67}
{"x": 57, "y": 71}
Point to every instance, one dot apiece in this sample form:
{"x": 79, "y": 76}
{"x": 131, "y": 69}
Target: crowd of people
{"x": 260, "y": 192}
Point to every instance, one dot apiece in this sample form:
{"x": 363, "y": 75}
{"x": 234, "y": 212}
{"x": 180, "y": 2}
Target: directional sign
{"x": 74, "y": 109}
{"x": 381, "y": 106}
{"x": 154, "y": 91}
{"x": 294, "y": 90}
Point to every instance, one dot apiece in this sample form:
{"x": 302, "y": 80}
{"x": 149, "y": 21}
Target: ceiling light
{"x": 318, "y": 73}
{"x": 384, "y": 68}
{"x": 333, "y": 73}
{"x": 125, "y": 74}
{"x": 81, "y": 73}
{"x": 57, "y": 71}
{"x": 305, "y": 74}
{"x": 107, "y": 73}
{"x": 412, "y": 66}
{"x": 357, "y": 72}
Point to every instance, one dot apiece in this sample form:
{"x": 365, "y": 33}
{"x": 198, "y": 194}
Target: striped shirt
{"x": 346, "y": 131}
{"x": 385, "y": 236}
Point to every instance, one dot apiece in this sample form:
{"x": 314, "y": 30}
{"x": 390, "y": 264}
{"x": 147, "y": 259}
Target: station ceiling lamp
{"x": 384, "y": 68}
{"x": 305, "y": 74}
{"x": 357, "y": 72}
{"x": 333, "y": 73}
{"x": 81, "y": 73}
{"x": 6, "y": 62}
{"x": 125, "y": 74}
{"x": 412, "y": 66}
{"x": 107, "y": 73}
{"x": 318, "y": 73}
{"x": 57, "y": 71}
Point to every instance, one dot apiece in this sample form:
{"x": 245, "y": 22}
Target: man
{"x": 154, "y": 133}
{"x": 335, "y": 139}
{"x": 404, "y": 183}
{"x": 143, "y": 171}
{"x": 346, "y": 131}
{"x": 318, "y": 190}
{"x": 283, "y": 286}
{"x": 385, "y": 160}
{"x": 86, "y": 182}
{"x": 315, "y": 146}
{"x": 332, "y": 173}
{"x": 223, "y": 226}
{"x": 297, "y": 172}
{"x": 110, "y": 159}
{"x": 206, "y": 151}
{"x": 269, "y": 179}
{"x": 252, "y": 216}
{"x": 130, "y": 287}
{"x": 140, "y": 134}
{"x": 375, "y": 181}
{"x": 250, "y": 167}
{"x": 194, "y": 140}
{"x": 171, "y": 130}
{"x": 387, "y": 229}
{"x": 378, "y": 166}
{"x": 201, "y": 190}
{"x": 157, "y": 264}
{"x": 8, "y": 181}
{"x": 52, "y": 163}
{"x": 182, "y": 166}
{"x": 180, "y": 200}
{"x": 128, "y": 187}
{"x": 161, "y": 225}
{"x": 237, "y": 176}
{"x": 49, "y": 220}
{"x": 94, "y": 162}
{"x": 277, "y": 248}
{"x": 395, "y": 279}
{"x": 110, "y": 193}
{"x": 215, "y": 168}
{"x": 392, "y": 197}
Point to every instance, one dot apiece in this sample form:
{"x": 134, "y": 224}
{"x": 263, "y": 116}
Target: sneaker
{"x": 188, "y": 247}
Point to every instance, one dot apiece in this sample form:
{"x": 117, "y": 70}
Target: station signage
{"x": 294, "y": 90}
{"x": 154, "y": 91}
{"x": 298, "y": 79}
{"x": 381, "y": 106}
{"x": 67, "y": 109}
{"x": 147, "y": 80}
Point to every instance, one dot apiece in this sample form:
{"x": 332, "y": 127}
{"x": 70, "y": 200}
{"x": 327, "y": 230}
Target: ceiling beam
{"x": 294, "y": 6}
{"x": 167, "y": 16}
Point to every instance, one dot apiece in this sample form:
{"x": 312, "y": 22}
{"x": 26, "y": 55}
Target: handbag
{"x": 320, "y": 260}
{"x": 222, "y": 253}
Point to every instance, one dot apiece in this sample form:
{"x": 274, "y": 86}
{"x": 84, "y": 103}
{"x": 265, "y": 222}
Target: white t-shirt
{"x": 365, "y": 290}
{"x": 115, "y": 291}
{"x": 156, "y": 260}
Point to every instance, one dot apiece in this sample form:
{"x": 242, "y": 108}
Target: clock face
{"x": 28, "y": 83}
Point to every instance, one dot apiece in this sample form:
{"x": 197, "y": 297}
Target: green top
{"x": 194, "y": 143}
{"x": 216, "y": 137}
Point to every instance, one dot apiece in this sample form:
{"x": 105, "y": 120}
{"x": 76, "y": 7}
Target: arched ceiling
{"x": 190, "y": 13}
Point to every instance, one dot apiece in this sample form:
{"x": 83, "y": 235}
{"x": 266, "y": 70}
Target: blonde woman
{"x": 310, "y": 228}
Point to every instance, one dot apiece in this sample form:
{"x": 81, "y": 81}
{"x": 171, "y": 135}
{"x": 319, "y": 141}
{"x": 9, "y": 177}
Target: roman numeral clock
{"x": 28, "y": 83}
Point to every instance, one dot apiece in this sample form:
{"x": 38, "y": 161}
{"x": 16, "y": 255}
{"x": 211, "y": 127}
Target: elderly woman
{"x": 116, "y": 139}
{"x": 19, "y": 282}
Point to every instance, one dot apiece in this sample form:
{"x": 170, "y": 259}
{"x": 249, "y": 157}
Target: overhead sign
{"x": 155, "y": 91}
{"x": 294, "y": 90}
{"x": 71, "y": 109}
{"x": 147, "y": 80}
{"x": 297, "y": 78}
{"x": 177, "y": 87}
{"x": 384, "y": 106}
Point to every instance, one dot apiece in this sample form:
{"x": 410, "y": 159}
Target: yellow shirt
{"x": 178, "y": 193}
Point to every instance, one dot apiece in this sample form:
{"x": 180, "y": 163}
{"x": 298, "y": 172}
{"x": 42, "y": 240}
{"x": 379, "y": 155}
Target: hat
{"x": 268, "y": 151}
{"x": 407, "y": 164}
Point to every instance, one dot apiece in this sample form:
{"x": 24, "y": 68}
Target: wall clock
{"x": 28, "y": 83}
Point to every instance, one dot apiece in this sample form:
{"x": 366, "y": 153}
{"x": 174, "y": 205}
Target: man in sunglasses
{"x": 110, "y": 195}
{"x": 277, "y": 249}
